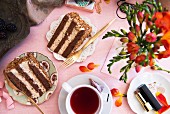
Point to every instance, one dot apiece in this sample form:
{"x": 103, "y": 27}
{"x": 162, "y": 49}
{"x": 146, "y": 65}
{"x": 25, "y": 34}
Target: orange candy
{"x": 84, "y": 69}
{"x": 89, "y": 67}
{"x": 118, "y": 102}
{"x": 116, "y": 93}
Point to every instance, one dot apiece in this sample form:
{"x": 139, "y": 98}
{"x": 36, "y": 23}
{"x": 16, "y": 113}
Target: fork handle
{"x": 97, "y": 34}
{"x": 32, "y": 101}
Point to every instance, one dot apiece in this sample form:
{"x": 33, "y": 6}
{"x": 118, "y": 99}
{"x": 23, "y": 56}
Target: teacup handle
{"x": 67, "y": 87}
{"x": 105, "y": 96}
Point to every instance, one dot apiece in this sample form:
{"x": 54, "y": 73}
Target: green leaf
{"x": 123, "y": 68}
{"x": 123, "y": 31}
{"x": 108, "y": 34}
{"x": 114, "y": 60}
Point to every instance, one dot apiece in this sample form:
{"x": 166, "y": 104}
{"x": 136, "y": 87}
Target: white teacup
{"x": 71, "y": 90}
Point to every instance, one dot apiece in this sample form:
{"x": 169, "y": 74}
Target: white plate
{"x": 84, "y": 79}
{"x": 161, "y": 85}
{"x": 87, "y": 52}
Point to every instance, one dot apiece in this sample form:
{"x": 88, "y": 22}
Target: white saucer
{"x": 84, "y": 79}
{"x": 161, "y": 85}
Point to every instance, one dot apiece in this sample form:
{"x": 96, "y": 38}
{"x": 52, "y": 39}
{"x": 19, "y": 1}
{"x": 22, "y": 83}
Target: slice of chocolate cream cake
{"x": 27, "y": 75}
{"x": 69, "y": 35}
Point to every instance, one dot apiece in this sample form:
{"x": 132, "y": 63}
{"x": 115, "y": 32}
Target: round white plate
{"x": 87, "y": 52}
{"x": 155, "y": 82}
{"x": 52, "y": 73}
{"x": 84, "y": 79}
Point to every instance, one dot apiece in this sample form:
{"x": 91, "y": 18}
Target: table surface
{"x": 37, "y": 42}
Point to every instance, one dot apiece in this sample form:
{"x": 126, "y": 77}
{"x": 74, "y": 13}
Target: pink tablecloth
{"x": 36, "y": 41}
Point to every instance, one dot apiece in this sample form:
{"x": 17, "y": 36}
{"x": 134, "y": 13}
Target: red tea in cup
{"x": 84, "y": 100}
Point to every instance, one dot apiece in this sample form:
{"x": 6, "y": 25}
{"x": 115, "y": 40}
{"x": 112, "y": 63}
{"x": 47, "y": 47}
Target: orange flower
{"x": 140, "y": 58}
{"x": 132, "y": 47}
{"x": 162, "y": 21}
{"x": 124, "y": 40}
{"x": 165, "y": 40}
{"x": 151, "y": 60}
{"x": 132, "y": 37}
{"x": 163, "y": 54}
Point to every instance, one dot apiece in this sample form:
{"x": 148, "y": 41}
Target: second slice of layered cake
{"x": 69, "y": 35}
{"x": 28, "y": 76}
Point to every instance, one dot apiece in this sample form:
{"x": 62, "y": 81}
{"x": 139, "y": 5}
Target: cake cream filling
{"x": 34, "y": 93}
{"x": 41, "y": 71}
{"x": 25, "y": 67}
{"x": 71, "y": 37}
{"x": 61, "y": 35}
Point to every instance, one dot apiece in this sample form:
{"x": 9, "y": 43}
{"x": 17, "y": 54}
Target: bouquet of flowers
{"x": 148, "y": 37}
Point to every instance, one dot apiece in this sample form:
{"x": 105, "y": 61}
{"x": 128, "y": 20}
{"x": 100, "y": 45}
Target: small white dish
{"x": 155, "y": 82}
{"x": 87, "y": 52}
{"x": 84, "y": 79}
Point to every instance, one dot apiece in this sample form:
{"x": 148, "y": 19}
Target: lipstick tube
{"x": 148, "y": 96}
{"x": 142, "y": 101}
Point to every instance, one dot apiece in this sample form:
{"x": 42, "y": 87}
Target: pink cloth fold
{"x": 6, "y": 96}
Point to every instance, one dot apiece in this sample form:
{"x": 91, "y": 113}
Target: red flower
{"x": 132, "y": 37}
{"x": 132, "y": 47}
{"x": 151, "y": 37}
{"x": 137, "y": 29}
{"x": 149, "y": 24}
{"x": 140, "y": 58}
{"x": 138, "y": 68}
{"x": 140, "y": 16}
{"x": 133, "y": 56}
{"x": 156, "y": 47}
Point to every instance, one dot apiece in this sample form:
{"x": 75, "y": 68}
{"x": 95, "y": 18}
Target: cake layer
{"x": 18, "y": 83}
{"x": 74, "y": 31}
{"x": 72, "y": 45}
{"x": 28, "y": 76}
{"x": 69, "y": 32}
{"x": 59, "y": 29}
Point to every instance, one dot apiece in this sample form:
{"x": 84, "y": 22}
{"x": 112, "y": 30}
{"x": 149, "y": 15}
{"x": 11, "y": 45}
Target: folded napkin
{"x": 115, "y": 49}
